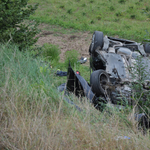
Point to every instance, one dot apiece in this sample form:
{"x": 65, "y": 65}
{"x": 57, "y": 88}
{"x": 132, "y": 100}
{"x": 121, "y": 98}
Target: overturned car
{"x": 114, "y": 63}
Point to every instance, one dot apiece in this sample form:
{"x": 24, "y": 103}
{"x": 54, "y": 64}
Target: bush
{"x": 71, "y": 56}
{"x": 140, "y": 75}
{"x": 13, "y": 27}
{"x": 51, "y": 52}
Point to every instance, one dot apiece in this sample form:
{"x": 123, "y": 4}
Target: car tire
{"x": 98, "y": 80}
{"x": 97, "y": 41}
{"x": 147, "y": 48}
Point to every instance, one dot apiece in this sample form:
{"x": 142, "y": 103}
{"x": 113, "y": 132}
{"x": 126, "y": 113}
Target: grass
{"x": 126, "y": 19}
{"x": 33, "y": 114}
{"x": 49, "y": 55}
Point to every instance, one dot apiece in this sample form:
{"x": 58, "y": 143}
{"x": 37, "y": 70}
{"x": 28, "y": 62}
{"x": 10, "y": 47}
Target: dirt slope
{"x": 67, "y": 40}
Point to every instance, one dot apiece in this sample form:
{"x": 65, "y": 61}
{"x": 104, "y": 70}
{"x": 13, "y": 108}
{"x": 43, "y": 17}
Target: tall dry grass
{"x": 35, "y": 117}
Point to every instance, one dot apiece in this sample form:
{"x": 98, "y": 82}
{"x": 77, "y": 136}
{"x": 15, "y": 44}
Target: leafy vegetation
{"x": 126, "y": 19}
{"x": 50, "y": 52}
{"x": 72, "y": 57}
{"x": 49, "y": 55}
{"x": 13, "y": 27}
{"x": 141, "y": 96}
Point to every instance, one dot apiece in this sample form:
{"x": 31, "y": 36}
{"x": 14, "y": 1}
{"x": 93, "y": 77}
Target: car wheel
{"x": 147, "y": 48}
{"x": 97, "y": 41}
{"x": 98, "y": 81}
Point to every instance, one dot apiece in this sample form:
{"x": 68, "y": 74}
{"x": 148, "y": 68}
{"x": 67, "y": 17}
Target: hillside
{"x": 33, "y": 114}
{"x": 124, "y": 18}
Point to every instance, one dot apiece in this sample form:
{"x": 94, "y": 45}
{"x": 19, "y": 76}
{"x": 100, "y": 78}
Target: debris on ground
{"x": 82, "y": 60}
{"x": 61, "y": 73}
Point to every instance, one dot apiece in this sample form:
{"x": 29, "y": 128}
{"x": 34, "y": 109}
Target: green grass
{"x": 23, "y": 68}
{"x": 127, "y": 19}
{"x": 49, "y": 55}
{"x": 33, "y": 114}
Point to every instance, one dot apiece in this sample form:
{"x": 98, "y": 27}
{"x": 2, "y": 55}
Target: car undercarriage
{"x": 113, "y": 62}
{"x": 116, "y": 65}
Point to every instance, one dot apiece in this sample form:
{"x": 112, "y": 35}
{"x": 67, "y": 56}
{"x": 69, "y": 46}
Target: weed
{"x": 62, "y": 6}
{"x": 98, "y": 17}
{"x": 122, "y": 1}
{"x": 51, "y": 52}
{"x": 84, "y": 14}
{"x": 111, "y": 8}
{"x": 140, "y": 74}
{"x": 92, "y": 22}
{"x": 118, "y": 14}
{"x": 127, "y": 26}
{"x": 116, "y": 20}
{"x": 72, "y": 57}
{"x": 91, "y": 1}
{"x": 137, "y": 3}
{"x": 148, "y": 15}
{"x": 83, "y": 5}
{"x": 131, "y": 7}
{"x": 64, "y": 16}
{"x": 133, "y": 16}
{"x": 69, "y": 11}
{"x": 147, "y": 8}
{"x": 146, "y": 11}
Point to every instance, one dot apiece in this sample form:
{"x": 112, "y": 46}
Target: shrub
{"x": 12, "y": 26}
{"x": 51, "y": 52}
{"x": 111, "y": 8}
{"x": 133, "y": 16}
{"x": 69, "y": 11}
{"x": 91, "y": 1}
{"x": 140, "y": 74}
{"x": 71, "y": 56}
{"x": 118, "y": 14}
{"x": 122, "y": 1}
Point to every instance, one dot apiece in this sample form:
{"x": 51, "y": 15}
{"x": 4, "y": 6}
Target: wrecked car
{"x": 112, "y": 61}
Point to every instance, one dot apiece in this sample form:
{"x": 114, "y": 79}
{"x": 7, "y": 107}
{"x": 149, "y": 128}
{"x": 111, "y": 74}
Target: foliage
{"x": 72, "y": 57}
{"x": 140, "y": 85}
{"x": 50, "y": 52}
{"x": 31, "y": 73}
{"x": 13, "y": 27}
{"x": 49, "y": 55}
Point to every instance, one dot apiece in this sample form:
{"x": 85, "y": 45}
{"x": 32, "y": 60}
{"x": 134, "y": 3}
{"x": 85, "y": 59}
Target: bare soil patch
{"x": 66, "y": 39}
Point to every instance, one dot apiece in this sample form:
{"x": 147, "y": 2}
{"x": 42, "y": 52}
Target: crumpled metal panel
{"x": 114, "y": 61}
{"x": 78, "y": 85}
